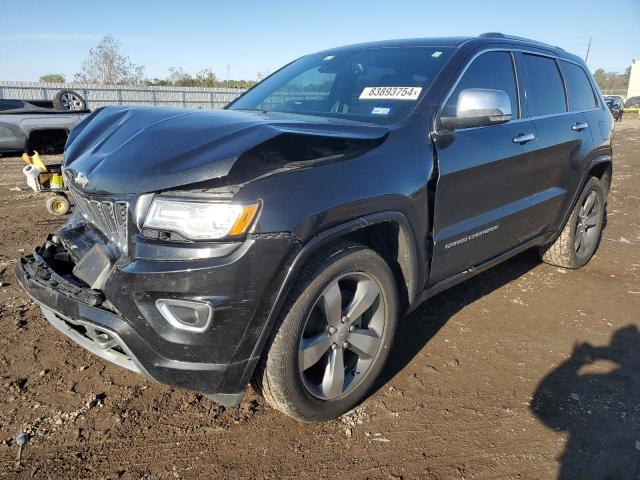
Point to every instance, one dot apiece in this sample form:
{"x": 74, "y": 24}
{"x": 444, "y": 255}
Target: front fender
{"x": 408, "y": 258}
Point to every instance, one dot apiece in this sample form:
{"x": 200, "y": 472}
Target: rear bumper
{"x": 132, "y": 335}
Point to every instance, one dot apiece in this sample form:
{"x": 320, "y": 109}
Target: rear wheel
{"x": 333, "y": 336}
{"x": 580, "y": 237}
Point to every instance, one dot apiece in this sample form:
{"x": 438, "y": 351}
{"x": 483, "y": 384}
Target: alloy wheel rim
{"x": 586, "y": 228}
{"x": 70, "y": 101}
{"x": 342, "y": 336}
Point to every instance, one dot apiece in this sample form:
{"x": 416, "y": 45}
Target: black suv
{"x": 281, "y": 239}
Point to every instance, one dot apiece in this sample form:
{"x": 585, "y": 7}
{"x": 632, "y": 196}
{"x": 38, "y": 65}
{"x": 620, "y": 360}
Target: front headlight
{"x": 200, "y": 220}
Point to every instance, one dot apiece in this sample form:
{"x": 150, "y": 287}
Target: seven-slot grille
{"x": 109, "y": 217}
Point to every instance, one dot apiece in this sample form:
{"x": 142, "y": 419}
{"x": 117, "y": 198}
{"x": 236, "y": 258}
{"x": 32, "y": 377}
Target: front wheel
{"x": 580, "y": 237}
{"x": 333, "y": 336}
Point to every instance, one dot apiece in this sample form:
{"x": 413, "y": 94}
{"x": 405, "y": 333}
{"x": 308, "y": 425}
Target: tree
{"x": 52, "y": 78}
{"x": 179, "y": 78}
{"x": 612, "y": 82}
{"x": 599, "y": 76}
{"x": 204, "y": 78}
{"x": 107, "y": 64}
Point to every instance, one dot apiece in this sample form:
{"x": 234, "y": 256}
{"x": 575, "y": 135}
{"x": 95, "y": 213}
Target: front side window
{"x": 545, "y": 90}
{"x": 579, "y": 90}
{"x": 492, "y": 70}
{"x": 377, "y": 85}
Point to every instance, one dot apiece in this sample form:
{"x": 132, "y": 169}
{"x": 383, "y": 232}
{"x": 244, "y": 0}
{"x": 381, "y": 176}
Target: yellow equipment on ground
{"x": 47, "y": 179}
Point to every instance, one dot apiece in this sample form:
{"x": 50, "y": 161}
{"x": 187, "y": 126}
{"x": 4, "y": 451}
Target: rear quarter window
{"x": 579, "y": 89}
{"x": 545, "y": 90}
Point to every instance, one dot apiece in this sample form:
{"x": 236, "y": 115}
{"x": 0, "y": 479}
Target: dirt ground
{"x": 527, "y": 371}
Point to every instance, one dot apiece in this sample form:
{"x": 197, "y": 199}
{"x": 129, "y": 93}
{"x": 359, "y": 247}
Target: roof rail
{"x": 514, "y": 37}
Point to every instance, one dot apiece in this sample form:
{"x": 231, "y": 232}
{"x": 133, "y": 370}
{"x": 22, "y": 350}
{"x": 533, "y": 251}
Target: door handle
{"x": 578, "y": 127}
{"x": 524, "y": 138}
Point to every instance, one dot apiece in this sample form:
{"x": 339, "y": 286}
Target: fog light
{"x": 186, "y": 315}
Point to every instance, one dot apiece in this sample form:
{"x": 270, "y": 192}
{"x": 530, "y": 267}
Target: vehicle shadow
{"x": 418, "y": 328}
{"x": 599, "y": 409}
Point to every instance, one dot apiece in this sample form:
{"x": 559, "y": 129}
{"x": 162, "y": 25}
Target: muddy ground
{"x": 492, "y": 379}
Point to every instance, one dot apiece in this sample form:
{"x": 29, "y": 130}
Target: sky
{"x": 252, "y": 36}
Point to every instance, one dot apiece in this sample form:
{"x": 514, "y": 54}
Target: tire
{"x": 69, "y": 100}
{"x": 283, "y": 376}
{"x": 58, "y": 205}
{"x": 564, "y": 251}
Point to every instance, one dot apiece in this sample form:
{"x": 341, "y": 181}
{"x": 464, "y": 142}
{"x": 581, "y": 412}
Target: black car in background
{"x": 616, "y": 108}
{"x": 281, "y": 240}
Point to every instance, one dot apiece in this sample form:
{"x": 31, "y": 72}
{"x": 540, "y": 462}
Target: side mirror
{"x": 479, "y": 107}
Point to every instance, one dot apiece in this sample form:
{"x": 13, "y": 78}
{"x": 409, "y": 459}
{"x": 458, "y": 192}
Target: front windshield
{"x": 377, "y": 85}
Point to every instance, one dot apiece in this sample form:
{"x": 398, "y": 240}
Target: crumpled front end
{"x": 147, "y": 149}
{"x": 183, "y": 313}
{"x": 179, "y": 243}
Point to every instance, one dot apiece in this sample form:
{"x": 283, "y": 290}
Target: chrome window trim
{"x": 517, "y": 80}
{"x": 521, "y": 119}
{"x": 539, "y": 117}
{"x": 564, "y": 86}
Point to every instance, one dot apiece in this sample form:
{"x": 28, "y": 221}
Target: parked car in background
{"x": 616, "y": 108}
{"x": 620, "y": 98}
{"x": 39, "y": 125}
{"x": 280, "y": 240}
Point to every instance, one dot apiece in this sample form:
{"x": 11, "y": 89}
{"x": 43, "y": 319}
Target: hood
{"x": 140, "y": 150}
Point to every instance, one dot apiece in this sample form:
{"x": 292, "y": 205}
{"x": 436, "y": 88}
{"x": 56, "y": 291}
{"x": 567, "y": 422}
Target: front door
{"x": 482, "y": 195}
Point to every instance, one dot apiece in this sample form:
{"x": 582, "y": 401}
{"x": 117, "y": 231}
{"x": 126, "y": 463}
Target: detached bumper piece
{"x": 36, "y": 275}
{"x": 36, "y": 268}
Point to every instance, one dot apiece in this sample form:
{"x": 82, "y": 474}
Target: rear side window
{"x": 545, "y": 90}
{"x": 579, "y": 90}
{"x": 493, "y": 70}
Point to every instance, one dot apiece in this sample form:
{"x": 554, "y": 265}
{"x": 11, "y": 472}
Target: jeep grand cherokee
{"x": 281, "y": 239}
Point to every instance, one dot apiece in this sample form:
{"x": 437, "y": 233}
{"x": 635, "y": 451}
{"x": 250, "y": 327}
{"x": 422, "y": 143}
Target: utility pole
{"x": 228, "y": 75}
{"x": 586, "y": 57}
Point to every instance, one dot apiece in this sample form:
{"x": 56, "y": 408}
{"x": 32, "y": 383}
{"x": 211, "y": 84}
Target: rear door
{"x": 481, "y": 199}
{"x": 564, "y": 141}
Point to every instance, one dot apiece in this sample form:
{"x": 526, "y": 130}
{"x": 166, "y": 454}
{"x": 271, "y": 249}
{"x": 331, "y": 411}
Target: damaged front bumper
{"x": 122, "y": 323}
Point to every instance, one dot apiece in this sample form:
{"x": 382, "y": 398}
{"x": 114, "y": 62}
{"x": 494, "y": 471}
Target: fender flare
{"x": 599, "y": 160}
{"x": 408, "y": 259}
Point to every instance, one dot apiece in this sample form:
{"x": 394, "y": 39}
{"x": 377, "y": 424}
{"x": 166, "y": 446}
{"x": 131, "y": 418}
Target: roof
{"x": 455, "y": 42}
{"x": 409, "y": 42}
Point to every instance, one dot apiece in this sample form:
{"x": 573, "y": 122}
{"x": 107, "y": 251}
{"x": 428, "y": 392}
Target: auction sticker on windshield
{"x": 390, "y": 93}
